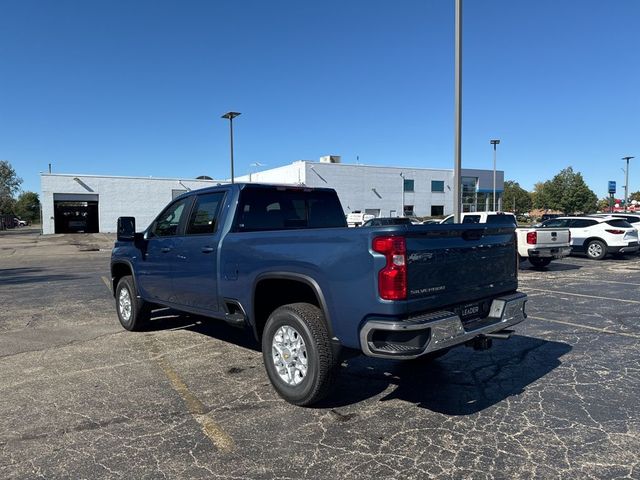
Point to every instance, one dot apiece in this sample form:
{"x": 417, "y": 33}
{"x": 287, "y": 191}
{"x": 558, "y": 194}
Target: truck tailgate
{"x": 551, "y": 237}
{"x": 456, "y": 264}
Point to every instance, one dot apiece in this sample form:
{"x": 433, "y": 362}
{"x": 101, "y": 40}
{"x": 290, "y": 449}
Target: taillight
{"x": 392, "y": 279}
{"x": 615, "y": 232}
{"x": 532, "y": 238}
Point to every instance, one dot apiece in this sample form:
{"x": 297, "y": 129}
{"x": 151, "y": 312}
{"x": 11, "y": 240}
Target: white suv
{"x": 632, "y": 218}
{"x": 597, "y": 236}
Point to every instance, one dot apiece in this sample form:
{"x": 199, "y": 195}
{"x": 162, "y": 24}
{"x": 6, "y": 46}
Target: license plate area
{"x": 473, "y": 311}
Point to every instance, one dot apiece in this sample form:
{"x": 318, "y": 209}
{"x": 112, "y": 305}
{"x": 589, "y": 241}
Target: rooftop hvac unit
{"x": 330, "y": 159}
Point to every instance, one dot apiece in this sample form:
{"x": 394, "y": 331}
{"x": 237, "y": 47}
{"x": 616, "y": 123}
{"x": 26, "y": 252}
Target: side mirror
{"x": 126, "y": 229}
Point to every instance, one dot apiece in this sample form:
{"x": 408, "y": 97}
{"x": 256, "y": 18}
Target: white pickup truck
{"x": 538, "y": 245}
{"x": 357, "y": 218}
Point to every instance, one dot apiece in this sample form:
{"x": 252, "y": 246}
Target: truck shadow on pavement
{"x": 552, "y": 267}
{"x": 462, "y": 382}
{"x": 167, "y": 319}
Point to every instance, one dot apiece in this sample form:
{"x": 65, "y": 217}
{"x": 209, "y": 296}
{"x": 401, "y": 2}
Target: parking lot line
{"x": 220, "y": 439}
{"x": 557, "y": 292}
{"x": 586, "y": 327}
{"x": 106, "y": 282}
{"x": 583, "y": 279}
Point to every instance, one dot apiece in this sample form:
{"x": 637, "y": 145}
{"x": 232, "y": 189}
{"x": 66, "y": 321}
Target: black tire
{"x": 596, "y": 250}
{"x": 540, "y": 262}
{"x": 307, "y": 321}
{"x": 138, "y": 314}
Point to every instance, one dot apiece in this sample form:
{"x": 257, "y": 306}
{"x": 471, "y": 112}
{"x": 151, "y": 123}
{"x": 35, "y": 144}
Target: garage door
{"x": 75, "y": 213}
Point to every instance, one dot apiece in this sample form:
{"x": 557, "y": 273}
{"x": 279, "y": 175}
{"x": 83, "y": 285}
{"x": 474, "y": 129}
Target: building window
{"x": 437, "y": 210}
{"x": 469, "y": 194}
{"x": 408, "y": 210}
{"x": 437, "y": 185}
{"x": 408, "y": 185}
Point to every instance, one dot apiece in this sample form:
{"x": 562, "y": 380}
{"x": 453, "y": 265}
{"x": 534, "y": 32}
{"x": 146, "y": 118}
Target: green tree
{"x": 9, "y": 186}
{"x": 566, "y": 192}
{"x": 515, "y": 198}
{"x": 540, "y": 197}
{"x": 635, "y": 196}
{"x": 603, "y": 204}
{"x": 28, "y": 207}
{"x": 7, "y": 204}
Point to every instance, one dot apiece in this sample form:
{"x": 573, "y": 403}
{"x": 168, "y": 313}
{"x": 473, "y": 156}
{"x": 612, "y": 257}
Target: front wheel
{"x": 596, "y": 250}
{"x": 540, "y": 262}
{"x": 133, "y": 312}
{"x": 297, "y": 354}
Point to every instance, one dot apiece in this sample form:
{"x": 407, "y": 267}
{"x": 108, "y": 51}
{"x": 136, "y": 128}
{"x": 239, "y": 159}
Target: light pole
{"x": 457, "y": 156}
{"x": 231, "y": 116}
{"x": 402, "y": 210}
{"x": 494, "y": 143}
{"x": 626, "y": 183}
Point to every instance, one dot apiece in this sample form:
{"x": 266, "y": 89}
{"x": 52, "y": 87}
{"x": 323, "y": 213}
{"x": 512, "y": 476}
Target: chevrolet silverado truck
{"x": 281, "y": 262}
{"x": 538, "y": 245}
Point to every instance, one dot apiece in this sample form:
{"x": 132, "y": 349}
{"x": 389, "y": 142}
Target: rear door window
{"x": 471, "y": 219}
{"x": 204, "y": 214}
{"x": 582, "y": 223}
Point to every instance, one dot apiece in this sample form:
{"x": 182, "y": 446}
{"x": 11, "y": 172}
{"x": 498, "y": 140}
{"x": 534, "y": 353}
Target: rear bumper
{"x": 550, "y": 252}
{"x": 438, "y": 330}
{"x": 632, "y": 247}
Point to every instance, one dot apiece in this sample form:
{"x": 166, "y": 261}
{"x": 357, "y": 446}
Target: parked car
{"x": 539, "y": 246}
{"x": 632, "y": 218}
{"x": 20, "y": 223}
{"x": 384, "y": 221}
{"x": 598, "y": 236}
{"x": 280, "y": 261}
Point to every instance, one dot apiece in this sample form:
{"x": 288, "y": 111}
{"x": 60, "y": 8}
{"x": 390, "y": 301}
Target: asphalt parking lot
{"x": 82, "y": 398}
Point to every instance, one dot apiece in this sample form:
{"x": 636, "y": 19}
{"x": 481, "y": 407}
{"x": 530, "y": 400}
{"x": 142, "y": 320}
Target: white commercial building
{"x": 390, "y": 191}
{"x": 93, "y": 203}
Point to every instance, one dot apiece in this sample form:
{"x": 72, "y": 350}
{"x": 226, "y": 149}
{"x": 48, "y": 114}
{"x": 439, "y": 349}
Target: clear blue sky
{"x": 137, "y": 87}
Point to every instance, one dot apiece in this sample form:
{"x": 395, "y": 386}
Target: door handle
{"x": 165, "y": 249}
{"x": 207, "y": 249}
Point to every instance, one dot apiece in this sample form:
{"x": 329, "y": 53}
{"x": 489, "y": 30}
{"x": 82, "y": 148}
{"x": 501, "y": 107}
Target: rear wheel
{"x": 297, "y": 354}
{"x": 596, "y": 250}
{"x": 133, "y": 312}
{"x": 540, "y": 262}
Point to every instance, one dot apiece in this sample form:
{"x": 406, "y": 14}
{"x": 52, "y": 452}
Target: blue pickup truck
{"x": 280, "y": 261}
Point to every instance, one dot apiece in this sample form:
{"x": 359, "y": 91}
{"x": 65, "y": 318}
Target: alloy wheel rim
{"x": 595, "y": 250}
{"x": 124, "y": 301}
{"x": 289, "y": 354}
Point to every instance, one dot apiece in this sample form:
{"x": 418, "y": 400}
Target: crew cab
{"x": 281, "y": 262}
{"x": 538, "y": 245}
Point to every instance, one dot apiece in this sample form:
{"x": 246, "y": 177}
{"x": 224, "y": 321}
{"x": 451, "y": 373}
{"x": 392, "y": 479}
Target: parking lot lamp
{"x": 231, "y": 116}
{"x": 494, "y": 143}
{"x": 626, "y": 183}
{"x": 402, "y": 175}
